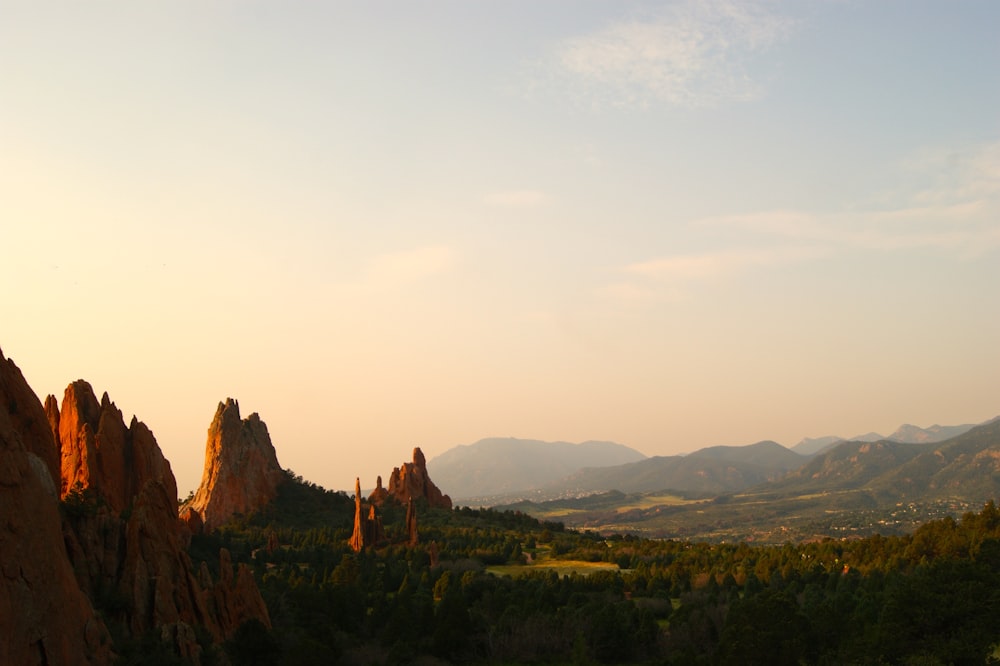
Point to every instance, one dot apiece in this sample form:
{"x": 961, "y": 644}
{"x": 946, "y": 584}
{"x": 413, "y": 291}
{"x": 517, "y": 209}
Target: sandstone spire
{"x": 411, "y": 524}
{"x": 242, "y": 473}
{"x": 367, "y": 523}
{"x": 380, "y": 494}
{"x": 358, "y": 536}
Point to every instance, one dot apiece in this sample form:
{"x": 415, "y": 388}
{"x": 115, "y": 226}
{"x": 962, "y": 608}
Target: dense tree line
{"x": 931, "y": 597}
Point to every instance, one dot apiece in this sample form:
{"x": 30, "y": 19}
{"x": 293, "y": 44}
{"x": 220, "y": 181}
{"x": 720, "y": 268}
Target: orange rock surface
{"x": 100, "y": 453}
{"x": 242, "y": 473}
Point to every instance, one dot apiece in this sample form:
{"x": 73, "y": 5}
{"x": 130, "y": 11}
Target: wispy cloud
{"x": 399, "y": 268}
{"x": 712, "y": 265}
{"x": 673, "y": 278}
{"x": 956, "y": 212}
{"x": 693, "y": 54}
{"x": 515, "y": 198}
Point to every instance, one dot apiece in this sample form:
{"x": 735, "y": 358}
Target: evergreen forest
{"x": 499, "y": 587}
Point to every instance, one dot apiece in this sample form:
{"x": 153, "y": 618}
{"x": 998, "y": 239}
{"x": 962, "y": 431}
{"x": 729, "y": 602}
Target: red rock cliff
{"x": 242, "y": 473}
{"x": 44, "y": 616}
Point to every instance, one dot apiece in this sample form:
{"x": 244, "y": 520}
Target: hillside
{"x": 967, "y": 466}
{"x": 848, "y": 465}
{"x": 856, "y": 488}
{"x": 496, "y": 466}
{"x": 709, "y": 471}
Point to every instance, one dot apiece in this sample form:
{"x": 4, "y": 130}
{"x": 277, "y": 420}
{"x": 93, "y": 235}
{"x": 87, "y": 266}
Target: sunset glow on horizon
{"x": 385, "y": 225}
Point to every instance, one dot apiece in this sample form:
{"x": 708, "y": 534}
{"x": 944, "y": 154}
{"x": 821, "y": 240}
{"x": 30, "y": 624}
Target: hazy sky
{"x": 383, "y": 225}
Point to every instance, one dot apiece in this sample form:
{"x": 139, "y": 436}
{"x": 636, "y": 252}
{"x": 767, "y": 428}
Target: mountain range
{"x": 906, "y": 433}
{"x": 502, "y": 470}
{"x": 856, "y": 488}
{"x": 498, "y": 466}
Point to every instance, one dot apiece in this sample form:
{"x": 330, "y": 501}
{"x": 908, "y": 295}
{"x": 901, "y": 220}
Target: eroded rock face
{"x": 235, "y": 598}
{"x": 100, "y": 453}
{"x": 242, "y": 473}
{"x": 44, "y": 616}
{"x": 27, "y": 417}
{"x": 412, "y": 481}
{"x": 124, "y": 536}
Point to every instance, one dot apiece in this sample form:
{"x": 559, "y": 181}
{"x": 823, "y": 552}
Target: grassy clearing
{"x": 653, "y": 501}
{"x": 561, "y": 567}
{"x": 558, "y": 513}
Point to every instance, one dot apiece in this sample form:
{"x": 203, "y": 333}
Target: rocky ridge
{"x": 45, "y": 618}
{"x": 118, "y": 546}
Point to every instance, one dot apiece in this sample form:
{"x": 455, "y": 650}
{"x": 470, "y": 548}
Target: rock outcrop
{"x": 123, "y": 535}
{"x": 100, "y": 453}
{"x": 380, "y": 494}
{"x": 27, "y": 418}
{"x": 407, "y": 484}
{"x": 44, "y": 616}
{"x": 367, "y": 523}
{"x": 235, "y": 597}
{"x": 412, "y": 481}
{"x": 412, "y": 538}
{"x": 242, "y": 473}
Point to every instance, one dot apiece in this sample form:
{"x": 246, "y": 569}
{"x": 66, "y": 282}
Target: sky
{"x": 383, "y": 225}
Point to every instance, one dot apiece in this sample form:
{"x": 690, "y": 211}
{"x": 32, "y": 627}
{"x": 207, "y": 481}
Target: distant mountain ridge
{"x": 499, "y": 465}
{"x": 712, "y": 470}
{"x": 905, "y": 434}
{"x": 963, "y": 466}
{"x": 854, "y": 488}
{"x": 501, "y": 470}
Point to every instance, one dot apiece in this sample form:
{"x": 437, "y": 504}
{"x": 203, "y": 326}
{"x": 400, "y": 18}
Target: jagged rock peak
{"x": 412, "y": 481}
{"x": 44, "y": 615}
{"x": 28, "y": 417}
{"x": 242, "y": 473}
{"x": 98, "y": 452}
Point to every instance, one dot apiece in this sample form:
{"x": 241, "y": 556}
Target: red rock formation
{"x": 100, "y": 453}
{"x": 242, "y": 473}
{"x": 411, "y": 524}
{"x": 156, "y": 575}
{"x": 380, "y": 494}
{"x": 44, "y": 616}
{"x": 412, "y": 480}
{"x": 27, "y": 416}
{"x": 235, "y": 598}
{"x": 191, "y": 520}
{"x": 126, "y": 538}
{"x": 367, "y": 523}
